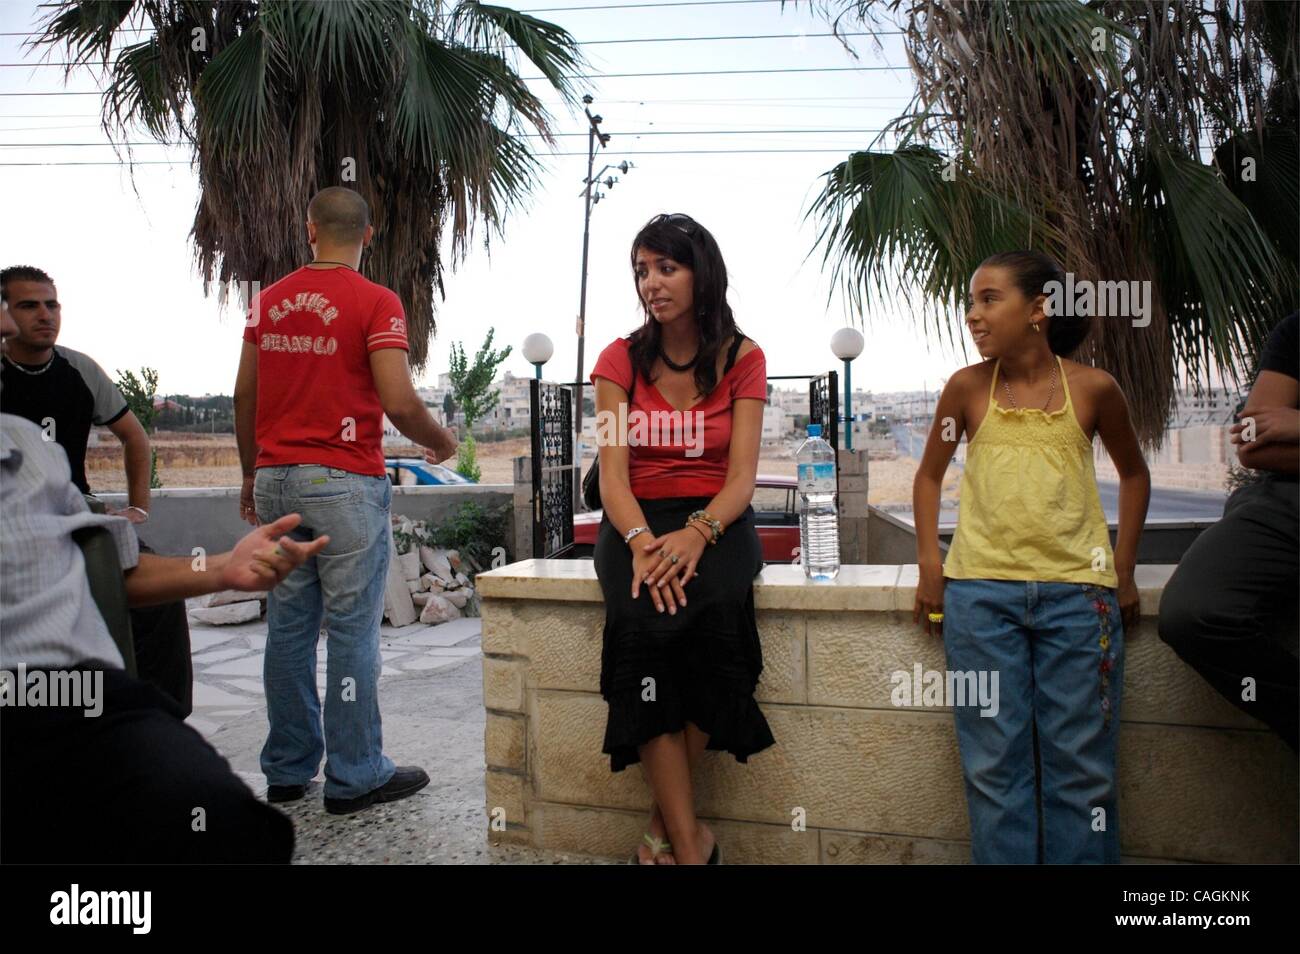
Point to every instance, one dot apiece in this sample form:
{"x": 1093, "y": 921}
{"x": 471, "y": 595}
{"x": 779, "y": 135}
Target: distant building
{"x": 778, "y": 424}
{"x": 512, "y": 410}
{"x": 1209, "y": 406}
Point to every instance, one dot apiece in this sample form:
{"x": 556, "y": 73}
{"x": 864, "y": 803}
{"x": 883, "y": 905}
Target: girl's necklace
{"x": 1050, "y": 391}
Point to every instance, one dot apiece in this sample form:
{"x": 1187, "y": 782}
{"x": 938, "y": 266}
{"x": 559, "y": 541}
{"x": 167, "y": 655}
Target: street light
{"x": 538, "y": 350}
{"x": 847, "y": 344}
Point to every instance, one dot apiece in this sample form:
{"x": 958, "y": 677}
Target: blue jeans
{"x": 344, "y": 586}
{"x": 1058, "y": 649}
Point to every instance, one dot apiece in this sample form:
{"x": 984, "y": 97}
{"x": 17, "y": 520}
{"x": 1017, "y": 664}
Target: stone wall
{"x": 1199, "y": 781}
{"x": 181, "y": 518}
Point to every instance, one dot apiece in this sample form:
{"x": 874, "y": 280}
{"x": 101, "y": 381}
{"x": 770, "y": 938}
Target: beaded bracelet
{"x": 713, "y": 524}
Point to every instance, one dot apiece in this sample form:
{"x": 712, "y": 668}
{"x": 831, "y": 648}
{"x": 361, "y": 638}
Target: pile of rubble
{"x": 434, "y": 580}
{"x": 427, "y": 583}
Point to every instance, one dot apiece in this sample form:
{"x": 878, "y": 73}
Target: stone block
{"x": 503, "y": 684}
{"x": 1160, "y": 687}
{"x": 852, "y": 657}
{"x": 784, "y": 672}
{"x": 505, "y": 739}
{"x": 857, "y": 848}
{"x": 566, "y": 732}
{"x": 1209, "y": 795}
{"x": 506, "y": 791}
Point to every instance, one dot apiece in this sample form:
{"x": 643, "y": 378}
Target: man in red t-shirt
{"x": 324, "y": 358}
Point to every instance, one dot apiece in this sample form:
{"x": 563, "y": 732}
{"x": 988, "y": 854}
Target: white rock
{"x": 457, "y": 598}
{"x": 228, "y": 613}
{"x": 431, "y": 582}
{"x": 414, "y": 586}
{"x": 453, "y": 557}
{"x": 462, "y": 579}
{"x": 226, "y": 597}
{"x": 410, "y": 564}
{"x": 437, "y": 563}
{"x": 419, "y": 599}
{"x": 438, "y": 610}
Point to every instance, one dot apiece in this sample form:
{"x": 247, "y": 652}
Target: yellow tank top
{"x": 1029, "y": 508}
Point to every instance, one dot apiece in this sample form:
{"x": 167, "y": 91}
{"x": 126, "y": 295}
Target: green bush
{"x": 475, "y": 531}
{"x": 467, "y": 459}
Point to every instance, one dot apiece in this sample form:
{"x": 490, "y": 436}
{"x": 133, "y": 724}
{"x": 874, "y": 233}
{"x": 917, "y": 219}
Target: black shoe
{"x": 285, "y": 793}
{"x": 407, "y": 780}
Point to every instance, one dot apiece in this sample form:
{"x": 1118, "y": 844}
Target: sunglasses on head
{"x": 683, "y": 222}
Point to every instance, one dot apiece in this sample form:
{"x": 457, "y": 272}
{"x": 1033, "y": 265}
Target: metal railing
{"x": 554, "y": 470}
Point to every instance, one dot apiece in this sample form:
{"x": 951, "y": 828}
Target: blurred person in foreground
{"x": 1235, "y": 620}
{"x": 65, "y": 393}
{"x": 98, "y": 766}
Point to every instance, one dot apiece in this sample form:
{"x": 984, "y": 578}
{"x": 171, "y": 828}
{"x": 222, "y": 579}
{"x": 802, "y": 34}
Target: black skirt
{"x": 703, "y": 662}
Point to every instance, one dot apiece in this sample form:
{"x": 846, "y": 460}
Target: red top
{"x": 673, "y": 453}
{"x": 316, "y": 399}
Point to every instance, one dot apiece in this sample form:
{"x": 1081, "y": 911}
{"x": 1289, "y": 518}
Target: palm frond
{"x": 548, "y": 47}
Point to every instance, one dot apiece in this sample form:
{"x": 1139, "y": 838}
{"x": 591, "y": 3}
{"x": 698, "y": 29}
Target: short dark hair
{"x": 1031, "y": 272}
{"x": 21, "y": 273}
{"x": 342, "y": 214}
{"x": 689, "y": 243}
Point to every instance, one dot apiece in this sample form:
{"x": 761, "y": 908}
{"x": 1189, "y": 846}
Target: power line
{"x": 633, "y": 132}
{"x": 601, "y": 76}
{"x": 620, "y": 152}
{"x": 653, "y": 39}
{"x": 608, "y": 6}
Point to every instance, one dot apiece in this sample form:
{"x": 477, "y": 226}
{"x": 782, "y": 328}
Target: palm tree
{"x": 414, "y": 103}
{"x": 1141, "y": 140}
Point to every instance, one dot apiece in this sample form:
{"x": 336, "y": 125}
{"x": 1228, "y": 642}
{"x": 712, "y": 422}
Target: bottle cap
{"x": 814, "y": 430}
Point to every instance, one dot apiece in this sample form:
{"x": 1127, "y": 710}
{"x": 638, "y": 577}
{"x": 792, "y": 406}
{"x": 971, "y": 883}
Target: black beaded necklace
{"x": 678, "y": 367}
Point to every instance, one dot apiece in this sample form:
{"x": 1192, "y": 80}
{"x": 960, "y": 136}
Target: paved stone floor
{"x": 431, "y": 697}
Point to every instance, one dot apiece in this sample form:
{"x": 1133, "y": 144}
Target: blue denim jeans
{"x": 1058, "y": 649}
{"x": 343, "y": 586}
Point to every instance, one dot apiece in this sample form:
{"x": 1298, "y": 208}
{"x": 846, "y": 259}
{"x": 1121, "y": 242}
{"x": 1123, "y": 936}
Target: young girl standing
{"x": 1031, "y": 588}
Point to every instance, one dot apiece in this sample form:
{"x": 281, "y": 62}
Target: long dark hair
{"x": 688, "y": 243}
{"x": 1031, "y": 272}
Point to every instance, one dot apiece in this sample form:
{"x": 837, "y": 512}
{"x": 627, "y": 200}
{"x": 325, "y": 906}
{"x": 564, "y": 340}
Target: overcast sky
{"x": 120, "y": 253}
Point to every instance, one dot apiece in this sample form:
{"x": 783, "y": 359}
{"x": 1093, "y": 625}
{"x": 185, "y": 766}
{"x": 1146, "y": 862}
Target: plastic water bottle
{"x": 819, "y": 524}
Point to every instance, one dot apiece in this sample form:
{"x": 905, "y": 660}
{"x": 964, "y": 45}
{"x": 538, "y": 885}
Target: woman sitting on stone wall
{"x": 679, "y": 415}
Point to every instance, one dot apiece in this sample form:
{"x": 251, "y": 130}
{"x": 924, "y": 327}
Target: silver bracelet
{"x": 627, "y": 537}
{"x": 138, "y": 510}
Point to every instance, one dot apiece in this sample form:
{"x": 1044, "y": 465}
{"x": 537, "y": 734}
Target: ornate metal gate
{"x": 824, "y": 406}
{"x": 551, "y": 406}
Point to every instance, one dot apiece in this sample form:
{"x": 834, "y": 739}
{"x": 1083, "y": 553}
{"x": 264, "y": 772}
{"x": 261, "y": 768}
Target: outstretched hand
{"x": 264, "y": 557}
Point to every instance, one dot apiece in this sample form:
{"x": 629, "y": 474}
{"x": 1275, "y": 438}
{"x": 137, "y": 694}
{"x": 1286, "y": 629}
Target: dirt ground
{"x": 212, "y": 460}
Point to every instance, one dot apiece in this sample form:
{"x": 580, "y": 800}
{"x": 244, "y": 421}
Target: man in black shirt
{"x": 1230, "y": 609}
{"x": 65, "y": 393}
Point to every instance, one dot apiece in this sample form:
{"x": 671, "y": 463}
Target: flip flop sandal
{"x": 657, "y": 848}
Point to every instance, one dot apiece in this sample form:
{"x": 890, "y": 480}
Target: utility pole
{"x": 591, "y": 197}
